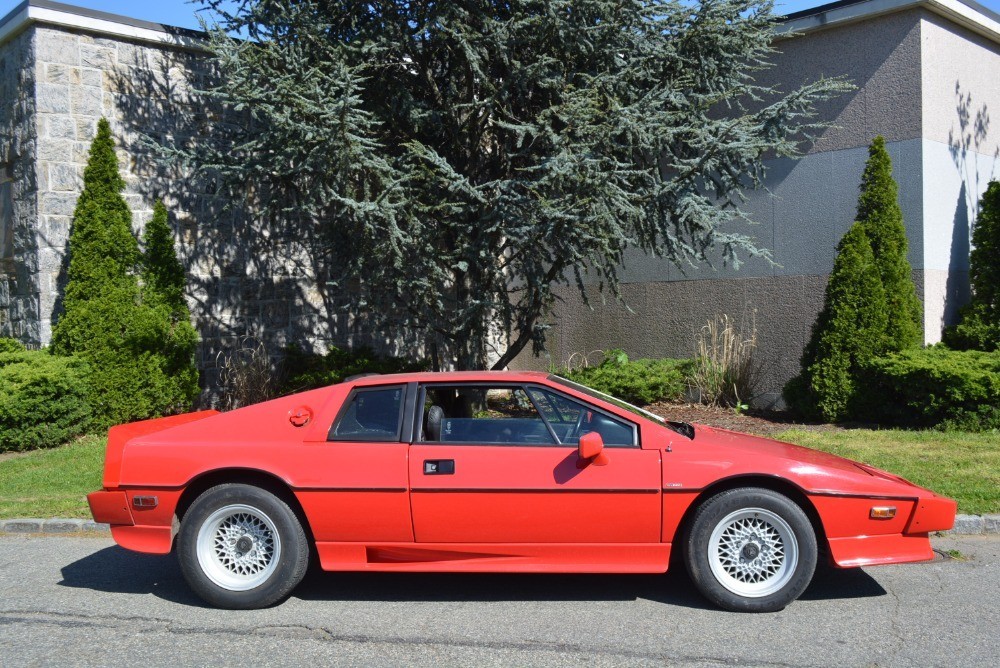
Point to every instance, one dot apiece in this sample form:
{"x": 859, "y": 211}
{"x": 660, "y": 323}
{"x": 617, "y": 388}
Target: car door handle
{"x": 439, "y": 467}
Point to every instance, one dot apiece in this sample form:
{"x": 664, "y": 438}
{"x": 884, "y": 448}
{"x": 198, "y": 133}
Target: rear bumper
{"x": 113, "y": 508}
{"x": 110, "y": 508}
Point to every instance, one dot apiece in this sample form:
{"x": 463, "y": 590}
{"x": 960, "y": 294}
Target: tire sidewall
{"x": 292, "y": 560}
{"x": 712, "y": 512}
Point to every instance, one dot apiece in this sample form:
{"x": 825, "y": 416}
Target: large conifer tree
{"x": 880, "y": 215}
{"x": 979, "y": 327}
{"x": 141, "y": 358}
{"x": 462, "y": 159}
{"x": 849, "y": 331}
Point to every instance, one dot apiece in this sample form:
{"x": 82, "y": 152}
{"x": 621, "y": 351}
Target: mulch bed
{"x": 762, "y": 423}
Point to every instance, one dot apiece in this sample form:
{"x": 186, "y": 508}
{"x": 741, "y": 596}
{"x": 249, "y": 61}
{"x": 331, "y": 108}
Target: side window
{"x": 571, "y": 419}
{"x": 482, "y": 415}
{"x": 372, "y": 414}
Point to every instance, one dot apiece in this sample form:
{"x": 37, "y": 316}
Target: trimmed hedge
{"x": 935, "y": 386}
{"x": 43, "y": 400}
{"x": 11, "y": 346}
{"x": 305, "y": 371}
{"x": 640, "y": 382}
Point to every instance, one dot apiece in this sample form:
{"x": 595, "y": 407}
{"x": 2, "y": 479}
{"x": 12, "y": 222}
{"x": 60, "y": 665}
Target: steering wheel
{"x": 578, "y": 427}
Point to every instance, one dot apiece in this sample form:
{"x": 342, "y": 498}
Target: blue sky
{"x": 181, "y": 13}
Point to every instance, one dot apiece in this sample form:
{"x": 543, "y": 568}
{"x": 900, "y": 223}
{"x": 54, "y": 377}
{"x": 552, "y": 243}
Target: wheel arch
{"x": 782, "y": 486}
{"x": 243, "y": 476}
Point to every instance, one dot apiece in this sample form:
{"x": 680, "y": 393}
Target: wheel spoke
{"x": 752, "y": 552}
{"x": 238, "y": 547}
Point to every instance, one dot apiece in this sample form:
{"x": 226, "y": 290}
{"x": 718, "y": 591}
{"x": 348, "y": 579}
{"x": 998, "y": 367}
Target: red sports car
{"x": 499, "y": 472}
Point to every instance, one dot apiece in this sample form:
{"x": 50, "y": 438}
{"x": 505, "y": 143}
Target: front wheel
{"x": 751, "y": 550}
{"x": 241, "y": 547}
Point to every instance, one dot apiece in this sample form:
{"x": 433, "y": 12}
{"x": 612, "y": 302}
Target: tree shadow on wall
{"x": 966, "y": 144}
{"x": 248, "y": 274}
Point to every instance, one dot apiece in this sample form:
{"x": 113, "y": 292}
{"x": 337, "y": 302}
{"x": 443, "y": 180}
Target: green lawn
{"x": 963, "y": 466}
{"x": 966, "y": 467}
{"x": 52, "y": 483}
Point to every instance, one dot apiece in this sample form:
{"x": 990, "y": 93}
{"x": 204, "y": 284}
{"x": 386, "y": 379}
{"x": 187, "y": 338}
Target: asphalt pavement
{"x": 82, "y": 601}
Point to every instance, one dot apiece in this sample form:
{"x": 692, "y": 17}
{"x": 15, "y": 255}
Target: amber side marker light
{"x": 883, "y": 512}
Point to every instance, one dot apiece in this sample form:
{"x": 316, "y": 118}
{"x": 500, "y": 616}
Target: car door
{"x": 487, "y": 466}
{"x": 360, "y": 479}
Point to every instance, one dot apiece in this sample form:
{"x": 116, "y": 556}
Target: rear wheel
{"x": 751, "y": 550}
{"x": 242, "y": 547}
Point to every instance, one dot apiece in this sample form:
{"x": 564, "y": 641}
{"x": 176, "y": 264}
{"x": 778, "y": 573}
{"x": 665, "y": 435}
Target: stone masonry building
{"x": 928, "y": 79}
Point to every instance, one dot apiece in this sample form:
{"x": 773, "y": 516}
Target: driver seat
{"x": 435, "y": 415}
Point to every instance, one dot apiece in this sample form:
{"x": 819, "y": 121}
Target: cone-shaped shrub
{"x": 979, "y": 328}
{"x": 849, "y": 331}
{"x": 882, "y": 219}
{"x": 141, "y": 360}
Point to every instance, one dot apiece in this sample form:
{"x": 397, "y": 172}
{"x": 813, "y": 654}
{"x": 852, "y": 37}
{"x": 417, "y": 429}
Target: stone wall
{"x": 19, "y": 289}
{"x": 245, "y": 276}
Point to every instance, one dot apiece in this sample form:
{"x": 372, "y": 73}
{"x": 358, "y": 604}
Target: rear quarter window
{"x": 370, "y": 414}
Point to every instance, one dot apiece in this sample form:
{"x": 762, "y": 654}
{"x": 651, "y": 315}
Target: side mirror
{"x": 591, "y": 449}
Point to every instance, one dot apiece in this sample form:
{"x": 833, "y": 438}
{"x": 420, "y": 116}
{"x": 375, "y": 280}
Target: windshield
{"x": 607, "y": 397}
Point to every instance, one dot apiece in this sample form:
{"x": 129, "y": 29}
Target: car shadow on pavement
{"x": 117, "y": 571}
{"x": 832, "y": 583}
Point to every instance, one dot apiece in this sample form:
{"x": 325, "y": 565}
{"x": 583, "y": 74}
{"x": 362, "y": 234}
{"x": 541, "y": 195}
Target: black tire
{"x": 750, "y": 550}
{"x": 241, "y": 547}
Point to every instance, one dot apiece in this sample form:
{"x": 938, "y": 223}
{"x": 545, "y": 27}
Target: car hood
{"x": 716, "y": 454}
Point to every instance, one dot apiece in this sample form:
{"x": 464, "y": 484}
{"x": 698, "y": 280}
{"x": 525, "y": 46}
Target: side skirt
{"x": 495, "y": 557}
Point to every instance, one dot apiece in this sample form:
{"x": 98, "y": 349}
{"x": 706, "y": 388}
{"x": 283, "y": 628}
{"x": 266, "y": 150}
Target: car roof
{"x": 451, "y": 377}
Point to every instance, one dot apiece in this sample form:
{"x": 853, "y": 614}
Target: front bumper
{"x": 932, "y": 513}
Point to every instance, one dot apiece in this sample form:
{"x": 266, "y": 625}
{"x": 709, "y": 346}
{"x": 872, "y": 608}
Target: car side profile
{"x": 508, "y": 472}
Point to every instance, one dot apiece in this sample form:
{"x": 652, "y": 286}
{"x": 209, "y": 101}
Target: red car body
{"x": 379, "y": 506}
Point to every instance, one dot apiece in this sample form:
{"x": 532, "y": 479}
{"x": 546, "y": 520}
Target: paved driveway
{"x": 84, "y": 601}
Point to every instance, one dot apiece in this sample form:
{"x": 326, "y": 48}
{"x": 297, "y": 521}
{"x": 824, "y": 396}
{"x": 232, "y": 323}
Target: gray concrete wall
{"x": 19, "y": 285}
{"x": 881, "y": 56}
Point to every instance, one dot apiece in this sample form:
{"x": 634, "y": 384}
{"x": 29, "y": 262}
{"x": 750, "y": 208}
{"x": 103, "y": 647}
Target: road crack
{"x": 321, "y": 634}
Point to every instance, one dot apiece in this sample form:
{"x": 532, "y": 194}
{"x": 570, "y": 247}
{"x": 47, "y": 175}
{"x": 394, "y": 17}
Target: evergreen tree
{"x": 141, "y": 360}
{"x": 882, "y": 219}
{"x": 103, "y": 252}
{"x": 849, "y": 331}
{"x": 460, "y": 160}
{"x": 162, "y": 272}
{"x": 979, "y": 327}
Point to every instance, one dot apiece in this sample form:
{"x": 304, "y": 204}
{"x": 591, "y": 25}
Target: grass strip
{"x": 960, "y": 465}
{"x": 52, "y": 483}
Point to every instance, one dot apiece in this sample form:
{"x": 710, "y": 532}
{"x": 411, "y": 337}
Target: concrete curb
{"x": 965, "y": 525}
{"x": 54, "y": 525}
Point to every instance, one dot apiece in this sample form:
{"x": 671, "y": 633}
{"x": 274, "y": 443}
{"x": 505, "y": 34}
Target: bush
{"x": 11, "y": 346}
{"x": 305, "y": 371}
{"x": 849, "y": 331}
{"x": 932, "y": 387}
{"x": 640, "y": 382}
{"x": 43, "y": 400}
{"x": 247, "y": 375}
